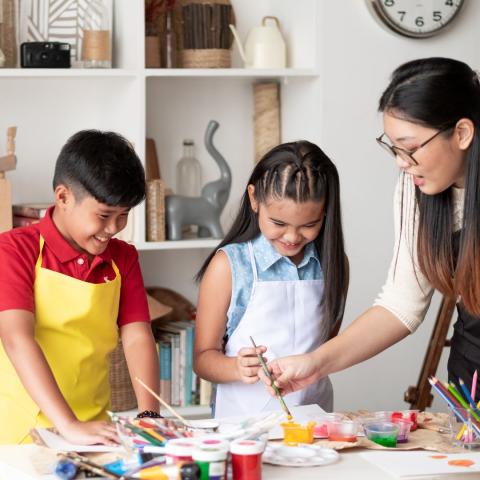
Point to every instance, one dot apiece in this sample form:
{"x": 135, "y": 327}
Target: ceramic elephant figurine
{"x": 204, "y": 210}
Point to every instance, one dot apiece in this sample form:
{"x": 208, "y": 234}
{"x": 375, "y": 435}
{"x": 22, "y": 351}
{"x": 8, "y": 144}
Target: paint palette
{"x": 299, "y": 456}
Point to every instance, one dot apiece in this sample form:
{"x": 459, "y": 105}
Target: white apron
{"x": 286, "y": 317}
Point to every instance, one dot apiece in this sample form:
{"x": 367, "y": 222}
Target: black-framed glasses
{"x": 403, "y": 153}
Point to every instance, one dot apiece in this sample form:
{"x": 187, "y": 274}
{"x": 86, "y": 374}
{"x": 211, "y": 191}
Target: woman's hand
{"x": 291, "y": 373}
{"x": 248, "y": 365}
{"x": 89, "y": 433}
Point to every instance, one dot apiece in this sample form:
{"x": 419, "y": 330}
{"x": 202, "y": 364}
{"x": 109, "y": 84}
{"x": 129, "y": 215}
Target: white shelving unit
{"x": 49, "y": 105}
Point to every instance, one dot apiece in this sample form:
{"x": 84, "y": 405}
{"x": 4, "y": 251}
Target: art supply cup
{"x": 321, "y": 422}
{"x": 411, "y": 415}
{"x": 463, "y": 429}
{"x": 212, "y": 462}
{"x": 294, "y": 433}
{"x": 247, "y": 459}
{"x": 342, "y": 431}
{"x": 201, "y": 427}
{"x": 404, "y": 426}
{"x": 179, "y": 450}
{"x": 383, "y": 433}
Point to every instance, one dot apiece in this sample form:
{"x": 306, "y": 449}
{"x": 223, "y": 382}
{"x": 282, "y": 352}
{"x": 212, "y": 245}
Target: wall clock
{"x": 415, "y": 18}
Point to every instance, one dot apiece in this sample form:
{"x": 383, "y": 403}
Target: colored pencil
{"x": 474, "y": 386}
{"x": 275, "y": 388}
{"x": 448, "y": 399}
{"x": 467, "y": 395}
{"x": 163, "y": 402}
{"x": 446, "y": 392}
{"x": 145, "y": 435}
{"x": 453, "y": 390}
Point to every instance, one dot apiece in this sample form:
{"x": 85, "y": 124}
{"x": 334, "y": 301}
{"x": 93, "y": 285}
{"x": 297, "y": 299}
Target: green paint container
{"x": 383, "y": 433}
{"x": 212, "y": 462}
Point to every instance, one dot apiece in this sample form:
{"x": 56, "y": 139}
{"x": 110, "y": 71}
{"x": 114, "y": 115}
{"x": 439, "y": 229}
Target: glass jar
{"x": 189, "y": 172}
{"x": 97, "y": 35}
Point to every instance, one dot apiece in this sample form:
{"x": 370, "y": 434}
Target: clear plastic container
{"x": 97, "y": 35}
{"x": 320, "y": 430}
{"x": 342, "y": 431}
{"x": 383, "y": 433}
{"x": 404, "y": 426}
{"x": 465, "y": 431}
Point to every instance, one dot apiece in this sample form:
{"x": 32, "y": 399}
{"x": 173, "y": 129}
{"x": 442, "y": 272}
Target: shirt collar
{"x": 267, "y": 255}
{"x": 59, "y": 246}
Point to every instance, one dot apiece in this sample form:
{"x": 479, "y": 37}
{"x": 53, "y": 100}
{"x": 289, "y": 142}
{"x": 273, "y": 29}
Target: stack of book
{"x": 179, "y": 385}
{"x": 25, "y": 214}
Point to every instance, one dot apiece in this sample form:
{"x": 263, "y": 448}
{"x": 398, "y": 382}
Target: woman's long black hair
{"x": 299, "y": 171}
{"x": 436, "y": 93}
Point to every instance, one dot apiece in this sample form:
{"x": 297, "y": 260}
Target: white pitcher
{"x": 264, "y": 47}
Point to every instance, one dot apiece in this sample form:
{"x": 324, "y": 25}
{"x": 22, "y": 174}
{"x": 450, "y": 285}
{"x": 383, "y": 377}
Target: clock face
{"x": 416, "y": 18}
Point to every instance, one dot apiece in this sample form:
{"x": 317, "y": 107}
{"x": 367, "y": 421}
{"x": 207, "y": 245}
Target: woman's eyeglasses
{"x": 403, "y": 153}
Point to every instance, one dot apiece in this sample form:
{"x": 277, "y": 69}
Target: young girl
{"x": 279, "y": 276}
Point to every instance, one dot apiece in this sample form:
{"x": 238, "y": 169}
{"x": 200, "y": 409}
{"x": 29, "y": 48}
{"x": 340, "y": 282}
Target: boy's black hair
{"x": 299, "y": 171}
{"x": 103, "y": 165}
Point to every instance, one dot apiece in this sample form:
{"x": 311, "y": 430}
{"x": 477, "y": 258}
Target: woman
{"x": 431, "y": 116}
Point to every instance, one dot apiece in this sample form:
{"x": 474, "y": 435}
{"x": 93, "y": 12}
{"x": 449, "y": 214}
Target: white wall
{"x": 356, "y": 58}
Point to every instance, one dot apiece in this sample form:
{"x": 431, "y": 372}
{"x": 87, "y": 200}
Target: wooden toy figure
{"x": 7, "y": 162}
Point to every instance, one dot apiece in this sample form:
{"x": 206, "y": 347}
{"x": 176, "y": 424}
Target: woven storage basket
{"x": 155, "y": 210}
{"x": 123, "y": 395}
{"x": 206, "y": 58}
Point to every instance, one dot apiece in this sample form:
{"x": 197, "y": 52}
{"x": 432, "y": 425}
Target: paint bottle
{"x": 247, "y": 459}
{"x": 179, "y": 450}
{"x": 212, "y": 462}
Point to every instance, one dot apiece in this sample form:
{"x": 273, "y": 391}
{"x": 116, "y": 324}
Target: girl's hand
{"x": 248, "y": 363}
{"x": 291, "y": 373}
{"x": 90, "y": 433}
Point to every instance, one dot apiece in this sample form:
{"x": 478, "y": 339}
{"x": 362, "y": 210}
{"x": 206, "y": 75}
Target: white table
{"x": 16, "y": 464}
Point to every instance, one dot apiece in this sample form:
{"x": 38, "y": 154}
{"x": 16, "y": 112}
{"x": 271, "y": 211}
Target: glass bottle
{"x": 189, "y": 172}
{"x": 168, "y": 43}
{"x": 97, "y": 35}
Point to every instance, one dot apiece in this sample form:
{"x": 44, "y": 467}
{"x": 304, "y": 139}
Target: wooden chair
{"x": 419, "y": 396}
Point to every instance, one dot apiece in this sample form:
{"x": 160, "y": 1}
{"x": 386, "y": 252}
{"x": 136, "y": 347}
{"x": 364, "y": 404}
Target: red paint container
{"x": 179, "y": 450}
{"x": 247, "y": 459}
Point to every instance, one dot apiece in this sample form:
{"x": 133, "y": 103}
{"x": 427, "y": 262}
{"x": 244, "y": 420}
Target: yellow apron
{"x": 76, "y": 328}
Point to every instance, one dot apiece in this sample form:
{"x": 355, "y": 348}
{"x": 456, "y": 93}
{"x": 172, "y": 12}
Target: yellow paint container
{"x": 294, "y": 433}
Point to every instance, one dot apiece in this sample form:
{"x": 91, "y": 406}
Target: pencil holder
{"x": 464, "y": 429}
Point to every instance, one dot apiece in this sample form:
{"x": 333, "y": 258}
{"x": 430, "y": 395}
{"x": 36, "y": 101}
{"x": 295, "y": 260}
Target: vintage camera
{"x": 45, "y": 55}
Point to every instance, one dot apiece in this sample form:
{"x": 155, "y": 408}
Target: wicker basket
{"x": 123, "y": 395}
{"x": 156, "y": 210}
{"x": 206, "y": 58}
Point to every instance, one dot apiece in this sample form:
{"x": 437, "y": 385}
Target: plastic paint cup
{"x": 320, "y": 429}
{"x": 212, "y": 462}
{"x": 342, "y": 431}
{"x": 179, "y": 450}
{"x": 383, "y": 433}
{"x": 247, "y": 459}
{"x": 411, "y": 415}
{"x": 404, "y": 426}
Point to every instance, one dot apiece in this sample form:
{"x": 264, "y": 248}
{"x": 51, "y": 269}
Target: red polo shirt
{"x": 19, "y": 250}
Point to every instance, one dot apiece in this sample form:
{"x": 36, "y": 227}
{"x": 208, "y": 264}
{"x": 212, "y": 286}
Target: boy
{"x": 65, "y": 287}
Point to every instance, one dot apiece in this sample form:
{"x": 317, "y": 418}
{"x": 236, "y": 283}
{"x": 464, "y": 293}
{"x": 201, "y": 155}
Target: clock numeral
{"x": 402, "y": 14}
{"x": 389, "y": 3}
{"x": 419, "y": 22}
{"x": 437, "y": 16}
{"x": 449, "y": 3}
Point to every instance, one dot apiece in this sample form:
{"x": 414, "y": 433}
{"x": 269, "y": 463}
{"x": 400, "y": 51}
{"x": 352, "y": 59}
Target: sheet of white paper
{"x": 417, "y": 464}
{"x": 57, "y": 442}
{"x": 301, "y": 414}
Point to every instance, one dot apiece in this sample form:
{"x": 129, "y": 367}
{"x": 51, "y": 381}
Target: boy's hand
{"x": 248, "y": 364}
{"x": 90, "y": 433}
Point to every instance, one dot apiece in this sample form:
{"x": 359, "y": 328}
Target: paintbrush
{"x": 275, "y": 388}
{"x": 164, "y": 403}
